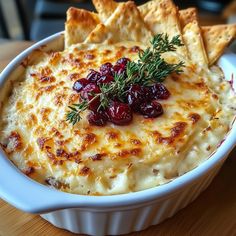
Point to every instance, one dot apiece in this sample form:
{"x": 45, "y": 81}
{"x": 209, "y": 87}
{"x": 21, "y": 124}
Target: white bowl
{"x": 101, "y": 215}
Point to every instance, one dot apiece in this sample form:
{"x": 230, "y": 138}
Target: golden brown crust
{"x": 78, "y": 25}
{"x": 75, "y": 158}
{"x": 125, "y": 23}
{"x": 216, "y": 39}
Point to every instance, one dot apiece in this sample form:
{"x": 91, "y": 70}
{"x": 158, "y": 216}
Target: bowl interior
{"x": 58, "y": 200}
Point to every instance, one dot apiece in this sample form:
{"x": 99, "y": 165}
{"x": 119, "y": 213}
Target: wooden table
{"x": 213, "y": 213}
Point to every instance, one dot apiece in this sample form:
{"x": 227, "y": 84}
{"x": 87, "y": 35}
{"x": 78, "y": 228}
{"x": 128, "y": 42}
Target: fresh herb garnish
{"x": 150, "y": 68}
{"x": 74, "y": 115}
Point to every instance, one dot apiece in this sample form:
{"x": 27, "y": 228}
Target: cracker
{"x": 216, "y": 39}
{"x": 187, "y": 15}
{"x": 78, "y": 25}
{"x": 105, "y": 8}
{"x": 145, "y": 8}
{"x": 194, "y": 43}
{"x": 161, "y": 16}
{"x": 125, "y": 23}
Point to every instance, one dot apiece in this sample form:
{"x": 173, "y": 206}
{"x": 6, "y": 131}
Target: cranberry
{"x": 80, "y": 84}
{"x": 106, "y": 69}
{"x": 120, "y": 113}
{"x": 136, "y": 96}
{"x": 159, "y": 91}
{"x": 151, "y": 109}
{"x": 97, "y": 118}
{"x": 147, "y": 93}
{"x": 123, "y": 61}
{"x": 105, "y": 79}
{"x": 93, "y": 76}
{"x": 120, "y": 66}
{"x": 119, "y": 69}
{"x": 89, "y": 92}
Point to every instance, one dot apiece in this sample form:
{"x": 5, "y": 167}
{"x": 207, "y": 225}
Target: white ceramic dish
{"x": 101, "y": 215}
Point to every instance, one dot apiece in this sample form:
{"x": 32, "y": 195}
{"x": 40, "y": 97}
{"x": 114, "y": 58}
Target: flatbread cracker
{"x": 145, "y": 8}
{"x": 105, "y": 8}
{"x": 125, "y": 23}
{"x": 78, "y": 25}
{"x": 161, "y": 16}
{"x": 188, "y": 15}
{"x": 216, "y": 39}
{"x": 194, "y": 43}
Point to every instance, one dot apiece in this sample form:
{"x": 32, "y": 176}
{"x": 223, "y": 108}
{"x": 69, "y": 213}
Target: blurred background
{"x": 37, "y": 19}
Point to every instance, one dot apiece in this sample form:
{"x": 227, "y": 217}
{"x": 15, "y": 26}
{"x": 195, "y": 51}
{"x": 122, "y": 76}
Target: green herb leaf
{"x": 73, "y": 116}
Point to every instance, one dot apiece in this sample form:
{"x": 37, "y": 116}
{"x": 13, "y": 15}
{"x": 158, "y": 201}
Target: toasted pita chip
{"x": 78, "y": 25}
{"x": 161, "y": 16}
{"x": 216, "y": 39}
{"x": 146, "y": 8}
{"x": 194, "y": 43}
{"x": 192, "y": 36}
{"x": 187, "y": 15}
{"x": 105, "y": 8}
{"x": 157, "y": 15}
{"x": 125, "y": 23}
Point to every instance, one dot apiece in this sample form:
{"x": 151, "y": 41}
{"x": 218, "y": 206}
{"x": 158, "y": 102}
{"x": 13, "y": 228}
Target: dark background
{"x": 37, "y": 19}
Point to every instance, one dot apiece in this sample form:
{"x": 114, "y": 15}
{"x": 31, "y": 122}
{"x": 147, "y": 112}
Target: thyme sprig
{"x": 149, "y": 68}
{"x": 74, "y": 115}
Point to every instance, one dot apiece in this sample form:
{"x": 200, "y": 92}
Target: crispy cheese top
{"x": 86, "y": 159}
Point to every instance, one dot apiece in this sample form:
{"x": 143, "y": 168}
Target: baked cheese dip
{"x": 106, "y": 159}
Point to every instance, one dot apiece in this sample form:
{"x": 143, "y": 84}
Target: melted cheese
{"x": 86, "y": 159}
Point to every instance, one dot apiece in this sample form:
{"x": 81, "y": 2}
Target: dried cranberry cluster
{"x": 138, "y": 98}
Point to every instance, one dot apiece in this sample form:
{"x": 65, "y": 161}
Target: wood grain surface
{"x": 213, "y": 213}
